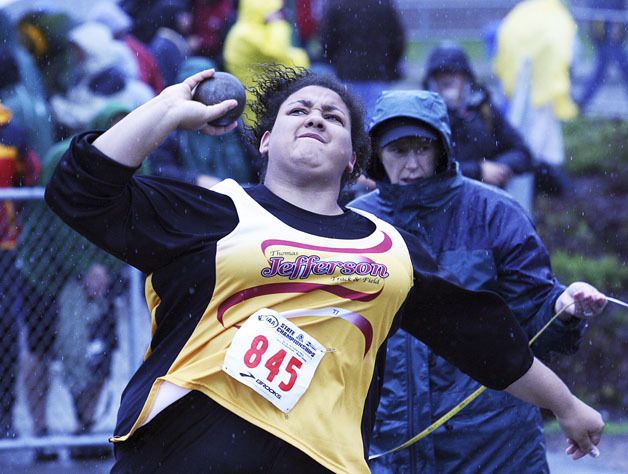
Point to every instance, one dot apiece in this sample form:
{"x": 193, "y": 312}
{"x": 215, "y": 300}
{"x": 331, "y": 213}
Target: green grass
{"x": 418, "y": 51}
{"x": 605, "y": 272}
{"x": 596, "y": 146}
{"x": 611, "y": 428}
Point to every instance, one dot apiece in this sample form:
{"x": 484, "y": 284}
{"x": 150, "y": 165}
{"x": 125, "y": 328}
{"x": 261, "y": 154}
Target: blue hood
{"x": 448, "y": 58}
{"x": 424, "y": 106}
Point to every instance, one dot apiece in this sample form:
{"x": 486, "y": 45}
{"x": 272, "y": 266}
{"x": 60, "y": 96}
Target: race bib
{"x": 274, "y": 357}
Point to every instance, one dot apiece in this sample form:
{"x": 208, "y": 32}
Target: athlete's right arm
{"x": 145, "y": 221}
{"x": 129, "y": 141}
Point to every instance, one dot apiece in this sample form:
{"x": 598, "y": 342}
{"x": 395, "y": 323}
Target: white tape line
{"x": 616, "y": 301}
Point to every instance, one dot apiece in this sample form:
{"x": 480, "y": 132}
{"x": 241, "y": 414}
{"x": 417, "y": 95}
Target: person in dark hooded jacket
{"x": 483, "y": 237}
{"x": 487, "y": 146}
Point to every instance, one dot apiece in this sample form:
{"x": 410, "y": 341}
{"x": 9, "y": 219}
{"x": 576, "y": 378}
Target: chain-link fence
{"x": 73, "y": 328}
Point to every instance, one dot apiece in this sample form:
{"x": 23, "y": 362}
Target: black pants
{"x": 196, "y": 435}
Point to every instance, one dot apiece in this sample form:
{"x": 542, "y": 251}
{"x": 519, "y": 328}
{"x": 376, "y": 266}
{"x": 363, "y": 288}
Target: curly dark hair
{"x": 277, "y": 83}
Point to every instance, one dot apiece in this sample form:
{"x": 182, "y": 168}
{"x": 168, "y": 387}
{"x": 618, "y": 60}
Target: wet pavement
{"x": 22, "y": 462}
{"x": 560, "y": 463}
{"x": 613, "y": 457}
{"x": 613, "y": 460}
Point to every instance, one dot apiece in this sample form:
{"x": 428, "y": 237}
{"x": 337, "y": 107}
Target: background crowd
{"x": 64, "y": 73}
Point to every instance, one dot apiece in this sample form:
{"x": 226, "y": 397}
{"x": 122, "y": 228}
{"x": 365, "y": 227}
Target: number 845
{"x": 254, "y": 356}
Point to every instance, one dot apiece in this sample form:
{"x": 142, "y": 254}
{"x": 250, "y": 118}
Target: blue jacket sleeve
{"x": 526, "y": 282}
{"x": 512, "y": 149}
{"x": 471, "y": 169}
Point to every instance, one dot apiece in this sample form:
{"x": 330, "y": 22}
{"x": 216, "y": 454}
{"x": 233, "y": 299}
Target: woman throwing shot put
{"x": 271, "y": 305}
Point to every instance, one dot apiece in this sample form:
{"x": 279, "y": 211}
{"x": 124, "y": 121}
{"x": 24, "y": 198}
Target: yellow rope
{"x": 447, "y": 416}
{"x": 37, "y": 41}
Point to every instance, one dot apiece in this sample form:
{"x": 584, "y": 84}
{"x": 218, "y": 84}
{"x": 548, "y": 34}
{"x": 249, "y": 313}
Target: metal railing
{"x": 467, "y": 19}
{"x": 69, "y": 308}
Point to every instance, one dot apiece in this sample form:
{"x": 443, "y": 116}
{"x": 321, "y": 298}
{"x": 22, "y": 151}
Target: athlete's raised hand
{"x": 194, "y": 115}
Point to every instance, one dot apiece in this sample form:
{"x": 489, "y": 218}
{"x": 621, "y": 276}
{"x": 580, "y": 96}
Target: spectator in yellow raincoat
{"x": 260, "y": 36}
{"x": 543, "y": 32}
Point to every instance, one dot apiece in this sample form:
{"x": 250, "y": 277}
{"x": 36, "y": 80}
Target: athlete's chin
{"x": 310, "y": 164}
{"x": 314, "y": 168}
{"x": 314, "y": 176}
{"x": 309, "y": 154}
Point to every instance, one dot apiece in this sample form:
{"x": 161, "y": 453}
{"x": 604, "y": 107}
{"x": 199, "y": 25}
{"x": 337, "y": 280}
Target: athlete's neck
{"x": 319, "y": 200}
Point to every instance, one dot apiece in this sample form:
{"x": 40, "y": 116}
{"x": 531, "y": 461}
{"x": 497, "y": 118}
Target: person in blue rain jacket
{"x": 487, "y": 241}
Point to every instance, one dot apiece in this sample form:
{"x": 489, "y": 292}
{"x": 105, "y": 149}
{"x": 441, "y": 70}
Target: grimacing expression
{"x": 311, "y": 137}
{"x": 410, "y": 159}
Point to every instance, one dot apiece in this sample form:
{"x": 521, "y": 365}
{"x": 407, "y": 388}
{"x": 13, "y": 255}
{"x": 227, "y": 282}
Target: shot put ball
{"x": 222, "y": 86}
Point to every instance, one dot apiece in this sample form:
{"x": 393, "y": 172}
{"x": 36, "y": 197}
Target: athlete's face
{"x": 311, "y": 137}
{"x": 410, "y": 159}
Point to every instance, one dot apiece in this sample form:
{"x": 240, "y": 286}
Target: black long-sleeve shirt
{"x": 171, "y": 230}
